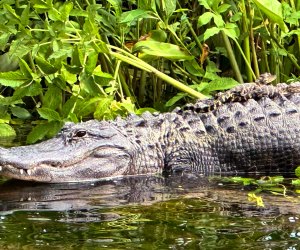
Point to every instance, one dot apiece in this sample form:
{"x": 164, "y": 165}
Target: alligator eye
{"x": 80, "y": 133}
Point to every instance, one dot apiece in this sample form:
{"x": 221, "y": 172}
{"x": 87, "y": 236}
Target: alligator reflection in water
{"x": 142, "y": 212}
{"x": 18, "y": 195}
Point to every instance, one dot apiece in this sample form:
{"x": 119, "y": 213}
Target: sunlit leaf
{"x": 273, "y": 10}
{"x": 205, "y": 18}
{"x": 103, "y": 107}
{"x": 159, "y": 49}
{"x": 221, "y": 84}
{"x": 175, "y": 99}
{"x": 49, "y": 114}
{"x": 53, "y": 97}
{"x": 297, "y": 171}
{"x": 45, "y": 66}
{"x": 21, "y": 113}
{"x": 132, "y": 15}
{"x": 25, "y": 69}
{"x": 37, "y": 133}
{"x": 211, "y": 32}
{"x": 257, "y": 199}
{"x": 6, "y": 130}
{"x": 12, "y": 78}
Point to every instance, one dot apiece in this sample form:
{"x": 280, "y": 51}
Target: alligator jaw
{"x": 11, "y": 171}
{"x": 90, "y": 167}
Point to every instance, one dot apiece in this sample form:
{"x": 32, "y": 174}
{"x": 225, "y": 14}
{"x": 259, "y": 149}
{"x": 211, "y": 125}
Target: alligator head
{"x": 81, "y": 152}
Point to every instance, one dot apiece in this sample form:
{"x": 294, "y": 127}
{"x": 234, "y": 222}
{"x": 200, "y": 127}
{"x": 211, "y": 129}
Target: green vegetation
{"x": 276, "y": 185}
{"x": 80, "y": 59}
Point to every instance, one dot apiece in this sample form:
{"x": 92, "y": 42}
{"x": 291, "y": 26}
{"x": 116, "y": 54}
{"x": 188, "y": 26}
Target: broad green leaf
{"x": 29, "y": 89}
{"x": 166, "y": 50}
{"x": 157, "y": 35}
{"x": 273, "y": 10}
{"x": 77, "y": 56}
{"x": 133, "y": 15}
{"x": 52, "y": 98}
{"x": 103, "y": 107}
{"x": 230, "y": 33}
{"x": 86, "y": 107}
{"x": 205, "y": 4}
{"x": 60, "y": 53}
{"x": 65, "y": 10}
{"x": 55, "y": 127}
{"x": 19, "y": 48}
{"x": 25, "y": 69}
{"x": 143, "y": 110}
{"x": 175, "y": 99}
{"x": 221, "y": 84}
{"x": 88, "y": 84}
{"x": 68, "y": 77}
{"x": 49, "y": 114}
{"x": 5, "y": 117}
{"x": 38, "y": 133}
{"x": 45, "y": 66}
{"x": 167, "y": 7}
{"x": 76, "y": 12}
{"x": 218, "y": 20}
{"x": 20, "y": 112}
{"x": 8, "y": 63}
{"x": 297, "y": 172}
{"x": 91, "y": 62}
{"x": 100, "y": 47}
{"x": 69, "y": 106}
{"x": 12, "y": 78}
{"x": 43, "y": 5}
{"x": 211, "y": 32}
{"x": 8, "y": 101}
{"x": 296, "y": 183}
{"x": 59, "y": 82}
{"x": 223, "y": 7}
{"x": 25, "y": 15}
{"x": 102, "y": 78}
{"x": 193, "y": 68}
{"x": 205, "y": 18}
{"x": 117, "y": 5}
{"x": 6, "y": 130}
{"x": 4, "y": 38}
{"x": 12, "y": 14}
{"x": 128, "y": 105}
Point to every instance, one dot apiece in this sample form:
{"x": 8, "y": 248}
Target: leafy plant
{"x": 75, "y": 60}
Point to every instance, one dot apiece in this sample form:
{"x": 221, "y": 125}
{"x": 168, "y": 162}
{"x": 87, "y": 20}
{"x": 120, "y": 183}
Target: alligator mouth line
{"x": 30, "y": 171}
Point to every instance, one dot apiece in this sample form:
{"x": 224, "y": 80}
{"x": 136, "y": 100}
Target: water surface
{"x": 144, "y": 213}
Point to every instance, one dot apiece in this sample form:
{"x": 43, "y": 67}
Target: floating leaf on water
{"x": 257, "y": 199}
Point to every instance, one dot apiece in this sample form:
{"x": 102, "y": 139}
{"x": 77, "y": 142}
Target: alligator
{"x": 258, "y": 135}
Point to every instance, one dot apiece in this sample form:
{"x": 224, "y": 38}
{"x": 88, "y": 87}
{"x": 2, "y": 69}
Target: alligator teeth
{"x": 21, "y": 171}
{"x": 0, "y": 168}
{"x": 29, "y": 171}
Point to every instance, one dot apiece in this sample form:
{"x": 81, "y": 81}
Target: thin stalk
{"x": 116, "y": 73}
{"x": 265, "y": 57}
{"x": 232, "y": 58}
{"x": 253, "y": 49}
{"x": 142, "y": 87}
{"x": 194, "y": 34}
{"x": 246, "y": 41}
{"x": 289, "y": 55}
{"x": 145, "y": 66}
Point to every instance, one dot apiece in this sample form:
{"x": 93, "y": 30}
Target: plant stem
{"x": 145, "y": 66}
{"x": 232, "y": 58}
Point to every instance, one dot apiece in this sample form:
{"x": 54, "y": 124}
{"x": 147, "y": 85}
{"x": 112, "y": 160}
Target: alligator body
{"x": 256, "y": 135}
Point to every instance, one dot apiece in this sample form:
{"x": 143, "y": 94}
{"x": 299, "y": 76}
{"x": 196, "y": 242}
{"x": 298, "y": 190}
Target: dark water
{"x": 144, "y": 213}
